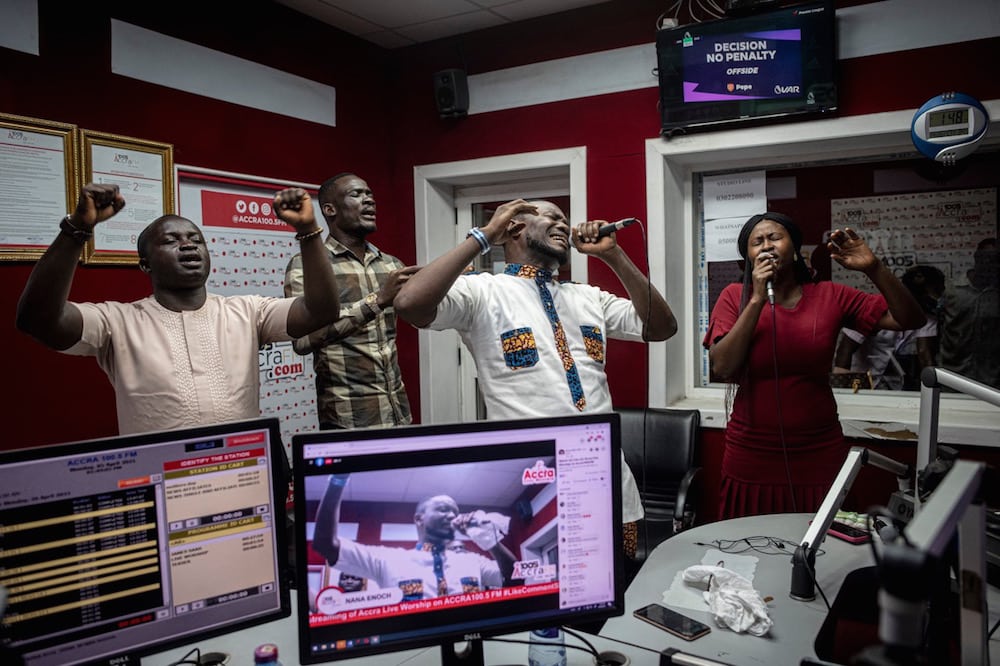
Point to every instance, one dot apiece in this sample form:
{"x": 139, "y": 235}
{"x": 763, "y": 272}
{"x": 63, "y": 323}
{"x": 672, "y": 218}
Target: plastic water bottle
{"x": 266, "y": 655}
{"x": 547, "y": 648}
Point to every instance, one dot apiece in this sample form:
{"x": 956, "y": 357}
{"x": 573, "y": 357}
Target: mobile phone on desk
{"x": 669, "y": 620}
{"x": 848, "y": 533}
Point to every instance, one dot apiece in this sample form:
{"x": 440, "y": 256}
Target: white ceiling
{"x": 396, "y": 23}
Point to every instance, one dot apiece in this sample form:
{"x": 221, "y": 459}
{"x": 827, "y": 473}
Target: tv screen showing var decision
{"x": 750, "y": 69}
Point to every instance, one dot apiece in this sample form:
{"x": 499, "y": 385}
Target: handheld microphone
{"x": 770, "y": 283}
{"x": 615, "y": 226}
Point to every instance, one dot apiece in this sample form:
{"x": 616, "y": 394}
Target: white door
{"x": 444, "y": 196}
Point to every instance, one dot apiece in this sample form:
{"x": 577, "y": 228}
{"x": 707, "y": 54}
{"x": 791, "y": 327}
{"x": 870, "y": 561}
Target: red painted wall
{"x": 52, "y": 397}
{"x": 614, "y": 128}
{"x": 387, "y": 124}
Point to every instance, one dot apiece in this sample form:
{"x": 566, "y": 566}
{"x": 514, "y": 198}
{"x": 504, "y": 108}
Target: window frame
{"x": 673, "y": 212}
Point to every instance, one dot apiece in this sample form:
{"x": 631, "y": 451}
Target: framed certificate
{"x": 144, "y": 172}
{"x": 39, "y": 183}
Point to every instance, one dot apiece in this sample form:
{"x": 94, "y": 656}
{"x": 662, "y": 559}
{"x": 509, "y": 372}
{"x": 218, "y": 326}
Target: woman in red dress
{"x": 774, "y": 336}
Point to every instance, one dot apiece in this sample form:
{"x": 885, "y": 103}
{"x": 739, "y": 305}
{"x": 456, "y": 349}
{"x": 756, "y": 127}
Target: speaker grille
{"x": 451, "y": 93}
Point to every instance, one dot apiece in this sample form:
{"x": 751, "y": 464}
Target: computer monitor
{"x": 132, "y": 544}
{"x": 548, "y": 490}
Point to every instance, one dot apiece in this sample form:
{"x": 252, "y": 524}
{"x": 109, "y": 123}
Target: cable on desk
{"x": 186, "y": 658}
{"x": 765, "y": 545}
{"x": 634, "y": 645}
{"x": 589, "y": 649}
{"x": 579, "y": 637}
{"x": 812, "y": 577}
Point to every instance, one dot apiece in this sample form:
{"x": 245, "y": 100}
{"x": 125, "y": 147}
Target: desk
{"x": 283, "y": 633}
{"x": 796, "y": 623}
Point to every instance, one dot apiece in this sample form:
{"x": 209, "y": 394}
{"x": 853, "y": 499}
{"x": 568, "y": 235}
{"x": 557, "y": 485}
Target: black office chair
{"x": 665, "y": 465}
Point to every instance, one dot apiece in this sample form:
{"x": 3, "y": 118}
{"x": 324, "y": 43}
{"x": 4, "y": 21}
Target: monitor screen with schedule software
{"x": 133, "y": 544}
{"x": 441, "y": 534}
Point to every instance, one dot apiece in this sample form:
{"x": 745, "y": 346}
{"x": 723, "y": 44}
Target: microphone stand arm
{"x": 907, "y": 573}
{"x": 804, "y": 558}
{"x": 931, "y": 381}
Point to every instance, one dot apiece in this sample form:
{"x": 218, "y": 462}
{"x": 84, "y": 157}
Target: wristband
{"x": 308, "y": 234}
{"x": 484, "y": 243}
{"x": 81, "y": 236}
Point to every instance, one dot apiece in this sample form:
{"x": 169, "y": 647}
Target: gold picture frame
{"x": 39, "y": 167}
{"x": 144, "y": 171}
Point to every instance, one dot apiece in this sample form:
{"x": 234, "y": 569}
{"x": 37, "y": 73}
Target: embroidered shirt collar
{"x": 528, "y": 272}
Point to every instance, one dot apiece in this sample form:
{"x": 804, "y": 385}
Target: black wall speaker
{"x": 451, "y": 93}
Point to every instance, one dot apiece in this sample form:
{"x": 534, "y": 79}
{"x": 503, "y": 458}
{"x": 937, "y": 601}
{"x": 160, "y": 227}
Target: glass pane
{"x": 935, "y": 227}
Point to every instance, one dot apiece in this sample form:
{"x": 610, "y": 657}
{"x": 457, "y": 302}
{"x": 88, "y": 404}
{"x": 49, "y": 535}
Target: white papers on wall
{"x": 728, "y": 200}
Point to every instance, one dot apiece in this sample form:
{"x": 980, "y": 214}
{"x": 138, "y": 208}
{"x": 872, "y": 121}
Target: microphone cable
{"x": 645, "y": 409}
{"x": 777, "y": 405}
{"x": 645, "y": 412}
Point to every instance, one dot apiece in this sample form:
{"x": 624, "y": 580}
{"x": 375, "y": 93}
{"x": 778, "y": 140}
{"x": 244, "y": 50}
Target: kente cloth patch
{"x": 593, "y": 340}
{"x": 413, "y": 589}
{"x": 519, "y": 349}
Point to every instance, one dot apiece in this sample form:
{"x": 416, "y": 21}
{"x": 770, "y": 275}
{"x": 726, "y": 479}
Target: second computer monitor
{"x": 128, "y": 545}
{"x": 546, "y": 492}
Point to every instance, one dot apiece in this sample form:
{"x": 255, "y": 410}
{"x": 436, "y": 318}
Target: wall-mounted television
{"x": 768, "y": 67}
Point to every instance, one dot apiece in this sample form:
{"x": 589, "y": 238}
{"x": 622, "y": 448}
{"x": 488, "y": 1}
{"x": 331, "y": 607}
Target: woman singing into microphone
{"x": 784, "y": 444}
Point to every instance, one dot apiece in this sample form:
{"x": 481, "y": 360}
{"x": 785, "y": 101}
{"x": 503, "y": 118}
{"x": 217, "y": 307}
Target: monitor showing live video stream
{"x": 435, "y": 535}
{"x": 132, "y": 544}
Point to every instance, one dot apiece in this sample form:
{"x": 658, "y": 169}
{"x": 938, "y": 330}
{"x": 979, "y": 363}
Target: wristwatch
{"x": 371, "y": 300}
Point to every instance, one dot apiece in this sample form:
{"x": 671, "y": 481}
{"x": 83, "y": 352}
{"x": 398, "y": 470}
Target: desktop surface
{"x": 796, "y": 623}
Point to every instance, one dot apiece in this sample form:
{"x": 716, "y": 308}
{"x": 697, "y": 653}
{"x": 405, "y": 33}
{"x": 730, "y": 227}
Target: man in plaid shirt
{"x": 358, "y": 382}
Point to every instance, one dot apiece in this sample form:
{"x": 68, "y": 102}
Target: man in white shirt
{"x": 539, "y": 345}
{"x": 433, "y": 568}
{"x": 182, "y": 356}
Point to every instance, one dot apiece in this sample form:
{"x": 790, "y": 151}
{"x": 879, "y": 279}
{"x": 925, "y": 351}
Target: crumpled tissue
{"x": 731, "y": 598}
{"x": 487, "y": 529}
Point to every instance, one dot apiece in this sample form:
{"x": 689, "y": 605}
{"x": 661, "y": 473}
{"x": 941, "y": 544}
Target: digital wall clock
{"x": 949, "y": 127}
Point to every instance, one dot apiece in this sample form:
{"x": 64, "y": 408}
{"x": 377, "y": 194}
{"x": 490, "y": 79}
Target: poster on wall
{"x": 728, "y": 200}
{"x": 940, "y": 229}
{"x": 38, "y": 183}
{"x": 144, "y": 172}
{"x": 250, "y": 248}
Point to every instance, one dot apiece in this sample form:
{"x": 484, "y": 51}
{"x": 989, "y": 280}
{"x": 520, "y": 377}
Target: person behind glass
{"x": 539, "y": 345}
{"x": 358, "y": 381}
{"x": 434, "y": 567}
{"x": 182, "y": 356}
{"x": 783, "y": 442}
{"x": 896, "y": 358}
{"x": 970, "y": 319}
